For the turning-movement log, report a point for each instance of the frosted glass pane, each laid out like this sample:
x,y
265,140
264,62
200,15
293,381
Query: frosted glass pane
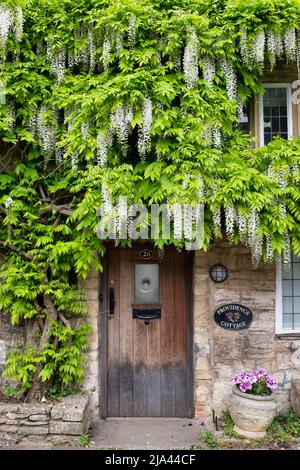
x,y
296,258
287,287
297,305
287,273
296,270
296,287
297,321
288,321
287,304
146,282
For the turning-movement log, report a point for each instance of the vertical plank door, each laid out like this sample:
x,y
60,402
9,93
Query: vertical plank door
x,y
148,361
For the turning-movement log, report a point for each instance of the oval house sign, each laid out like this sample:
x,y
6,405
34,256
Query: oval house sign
x,y
233,317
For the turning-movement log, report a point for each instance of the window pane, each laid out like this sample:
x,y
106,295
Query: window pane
x,y
288,321
287,273
296,287
146,283
297,321
287,305
275,113
296,305
291,295
287,287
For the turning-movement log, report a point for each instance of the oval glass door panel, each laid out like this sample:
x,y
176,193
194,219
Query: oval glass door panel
x,y
146,283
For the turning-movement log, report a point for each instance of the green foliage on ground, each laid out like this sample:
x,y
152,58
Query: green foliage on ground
x,y
283,431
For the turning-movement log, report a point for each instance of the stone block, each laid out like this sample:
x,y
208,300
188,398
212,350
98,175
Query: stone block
x,y
202,364
37,430
2,351
27,422
72,408
10,429
257,345
282,399
224,371
18,415
68,427
295,396
39,417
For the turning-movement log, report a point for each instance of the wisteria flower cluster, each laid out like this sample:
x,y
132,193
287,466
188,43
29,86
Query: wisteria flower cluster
x,y
10,20
255,382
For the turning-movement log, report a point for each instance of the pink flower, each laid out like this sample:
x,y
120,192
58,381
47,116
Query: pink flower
x,y
272,384
235,379
260,373
245,386
252,377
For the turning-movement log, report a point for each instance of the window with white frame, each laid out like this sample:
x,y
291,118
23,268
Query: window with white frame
x,y
275,112
288,297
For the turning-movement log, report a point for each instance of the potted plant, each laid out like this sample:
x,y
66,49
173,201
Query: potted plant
x,y
252,406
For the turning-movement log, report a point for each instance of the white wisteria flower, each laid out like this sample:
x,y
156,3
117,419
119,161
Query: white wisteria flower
x,y
132,31
190,60
176,212
274,47
6,21
216,136
269,250
85,130
230,217
19,21
144,134
8,203
188,220
286,255
259,49
230,78
58,63
92,49
104,143
74,161
290,44
246,50
121,124
242,226
119,40
106,52
209,70
216,217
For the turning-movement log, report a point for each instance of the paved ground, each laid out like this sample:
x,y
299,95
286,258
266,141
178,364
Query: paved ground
x,y
125,433
146,433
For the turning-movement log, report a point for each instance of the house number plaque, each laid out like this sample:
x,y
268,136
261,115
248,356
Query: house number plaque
x,y
146,254
233,317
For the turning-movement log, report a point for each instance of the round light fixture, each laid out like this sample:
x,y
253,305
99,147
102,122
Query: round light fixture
x,y
218,273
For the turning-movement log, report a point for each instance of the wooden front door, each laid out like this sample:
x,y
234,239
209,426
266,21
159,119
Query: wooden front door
x,y
148,359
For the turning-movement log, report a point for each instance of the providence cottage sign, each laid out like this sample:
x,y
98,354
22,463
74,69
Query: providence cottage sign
x,y
233,317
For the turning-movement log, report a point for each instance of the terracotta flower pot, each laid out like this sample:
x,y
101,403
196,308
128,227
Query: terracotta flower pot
x,y
251,414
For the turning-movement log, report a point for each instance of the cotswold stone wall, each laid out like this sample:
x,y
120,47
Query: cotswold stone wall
x,y
70,417
219,353
11,338
91,286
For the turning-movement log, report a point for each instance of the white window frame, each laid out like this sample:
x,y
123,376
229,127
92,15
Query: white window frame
x,y
288,87
279,330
